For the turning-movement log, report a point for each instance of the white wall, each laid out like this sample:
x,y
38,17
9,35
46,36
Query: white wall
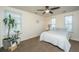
x,y
46,22
60,23
30,27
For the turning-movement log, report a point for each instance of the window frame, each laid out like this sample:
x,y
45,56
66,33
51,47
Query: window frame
x,y
13,12
67,24
52,22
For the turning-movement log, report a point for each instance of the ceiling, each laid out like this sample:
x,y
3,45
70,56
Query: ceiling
x,y
33,9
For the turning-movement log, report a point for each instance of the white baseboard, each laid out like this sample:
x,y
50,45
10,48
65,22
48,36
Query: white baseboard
x,y
76,39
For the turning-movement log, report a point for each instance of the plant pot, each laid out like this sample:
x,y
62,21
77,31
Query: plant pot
x,y
6,44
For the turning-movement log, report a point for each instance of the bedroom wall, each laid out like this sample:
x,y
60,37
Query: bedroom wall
x,y
32,24
46,22
60,23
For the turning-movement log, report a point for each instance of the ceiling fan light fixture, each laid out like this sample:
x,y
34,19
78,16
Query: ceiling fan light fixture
x,y
47,11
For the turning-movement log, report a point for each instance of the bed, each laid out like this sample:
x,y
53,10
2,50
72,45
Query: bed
x,y
57,38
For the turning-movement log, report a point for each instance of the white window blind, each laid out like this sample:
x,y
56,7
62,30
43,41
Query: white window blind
x,y
68,23
53,23
17,18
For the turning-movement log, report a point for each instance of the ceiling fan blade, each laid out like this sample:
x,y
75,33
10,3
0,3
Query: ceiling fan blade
x,y
40,10
47,7
43,12
54,8
51,12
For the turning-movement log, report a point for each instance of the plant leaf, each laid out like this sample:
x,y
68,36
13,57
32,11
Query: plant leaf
x,y
5,21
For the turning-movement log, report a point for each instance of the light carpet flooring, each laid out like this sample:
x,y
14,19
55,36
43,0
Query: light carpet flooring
x,y
34,45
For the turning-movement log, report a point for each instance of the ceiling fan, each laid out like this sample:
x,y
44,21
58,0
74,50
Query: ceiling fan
x,y
48,10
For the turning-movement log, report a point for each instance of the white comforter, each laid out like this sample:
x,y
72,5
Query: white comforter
x,y
58,38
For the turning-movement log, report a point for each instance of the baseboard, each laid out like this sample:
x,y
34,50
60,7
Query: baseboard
x,y
75,39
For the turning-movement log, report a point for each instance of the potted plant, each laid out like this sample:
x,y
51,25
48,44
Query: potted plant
x,y
10,23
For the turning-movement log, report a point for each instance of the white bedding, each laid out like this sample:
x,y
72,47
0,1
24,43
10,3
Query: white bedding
x,y
58,38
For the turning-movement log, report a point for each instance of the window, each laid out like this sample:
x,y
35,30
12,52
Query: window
x,y
17,18
68,23
53,23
